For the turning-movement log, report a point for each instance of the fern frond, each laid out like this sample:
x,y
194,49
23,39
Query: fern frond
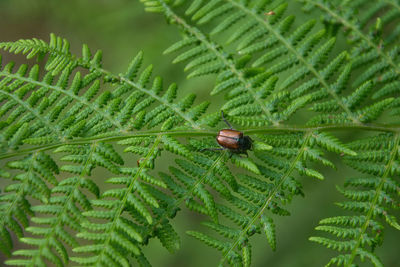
x,y
118,233
373,36
252,89
64,111
57,49
223,65
94,118
372,196
269,229
107,105
63,206
34,174
193,177
252,202
268,189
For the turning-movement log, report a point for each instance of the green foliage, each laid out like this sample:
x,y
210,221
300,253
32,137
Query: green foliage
x,y
67,117
373,196
364,23
32,173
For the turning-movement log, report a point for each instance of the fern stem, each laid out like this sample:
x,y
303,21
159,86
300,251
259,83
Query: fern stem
x,y
291,48
214,48
375,200
116,137
327,127
269,197
348,24
188,133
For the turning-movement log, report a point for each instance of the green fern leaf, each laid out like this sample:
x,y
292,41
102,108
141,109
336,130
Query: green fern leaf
x,y
363,233
269,229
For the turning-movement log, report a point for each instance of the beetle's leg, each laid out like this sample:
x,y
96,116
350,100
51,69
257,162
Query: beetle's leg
x,y
223,118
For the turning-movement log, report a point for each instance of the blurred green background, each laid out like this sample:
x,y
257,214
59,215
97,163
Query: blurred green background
x,y
121,28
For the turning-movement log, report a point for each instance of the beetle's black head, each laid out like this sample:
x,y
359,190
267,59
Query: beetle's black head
x,y
246,143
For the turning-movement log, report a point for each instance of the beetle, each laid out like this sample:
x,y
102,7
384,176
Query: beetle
x,y
232,139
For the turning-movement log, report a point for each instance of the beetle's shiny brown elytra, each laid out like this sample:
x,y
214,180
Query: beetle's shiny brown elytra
x,y
232,139
229,138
